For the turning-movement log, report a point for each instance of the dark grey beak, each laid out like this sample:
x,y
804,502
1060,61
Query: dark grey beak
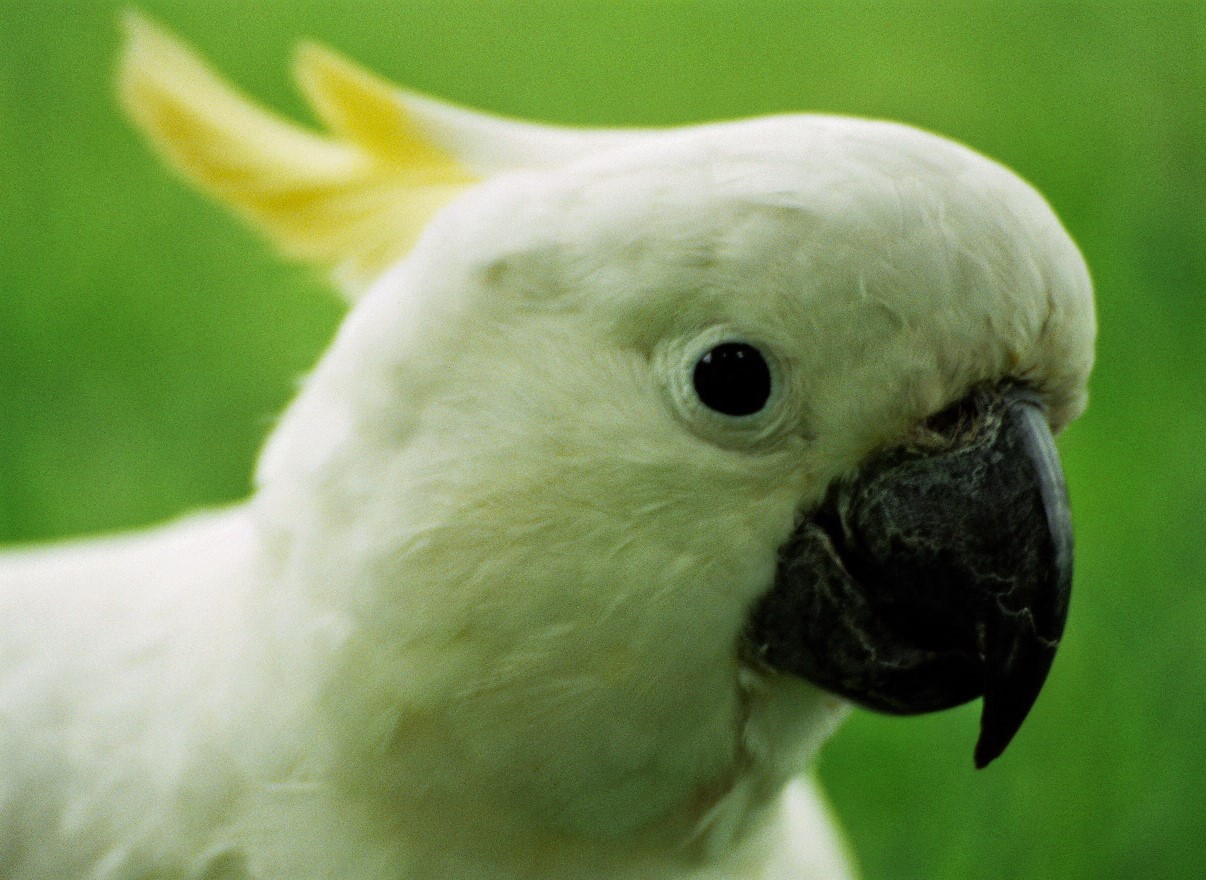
x,y
938,573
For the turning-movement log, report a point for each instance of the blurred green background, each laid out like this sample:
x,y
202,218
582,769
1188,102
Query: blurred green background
x,y
147,340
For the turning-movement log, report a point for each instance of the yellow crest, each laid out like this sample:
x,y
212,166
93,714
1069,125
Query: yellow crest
x,y
354,199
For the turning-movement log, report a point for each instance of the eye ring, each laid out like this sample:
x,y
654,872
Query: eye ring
x,y
743,426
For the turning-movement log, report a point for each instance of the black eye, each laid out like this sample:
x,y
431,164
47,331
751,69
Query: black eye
x,y
733,379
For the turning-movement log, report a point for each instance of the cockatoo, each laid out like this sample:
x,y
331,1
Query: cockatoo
x,y
641,456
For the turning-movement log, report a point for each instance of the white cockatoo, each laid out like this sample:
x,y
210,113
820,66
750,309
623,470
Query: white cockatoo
x,y
641,455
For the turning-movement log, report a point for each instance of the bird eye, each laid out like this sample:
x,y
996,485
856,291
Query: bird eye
x,y
733,378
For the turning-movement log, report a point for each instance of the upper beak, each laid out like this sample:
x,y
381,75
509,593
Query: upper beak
x,y
939,572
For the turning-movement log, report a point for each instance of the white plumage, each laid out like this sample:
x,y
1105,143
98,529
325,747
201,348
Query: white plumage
x,y
480,617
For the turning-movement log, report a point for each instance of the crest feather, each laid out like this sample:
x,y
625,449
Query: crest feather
x,y
354,201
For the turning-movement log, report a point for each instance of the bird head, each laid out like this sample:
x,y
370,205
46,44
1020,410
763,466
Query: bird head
x,y
642,452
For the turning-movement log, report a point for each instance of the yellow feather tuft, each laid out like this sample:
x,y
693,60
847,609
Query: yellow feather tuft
x,y
362,108
355,202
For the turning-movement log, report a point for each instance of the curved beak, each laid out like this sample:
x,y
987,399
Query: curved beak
x,y
940,572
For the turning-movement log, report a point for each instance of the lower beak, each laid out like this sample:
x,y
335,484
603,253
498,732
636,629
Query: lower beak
x,y
938,573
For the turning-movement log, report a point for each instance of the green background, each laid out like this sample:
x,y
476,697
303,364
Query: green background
x,y
147,340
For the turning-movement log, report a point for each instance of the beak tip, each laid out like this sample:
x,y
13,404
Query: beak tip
x,y
996,733
1005,709
988,749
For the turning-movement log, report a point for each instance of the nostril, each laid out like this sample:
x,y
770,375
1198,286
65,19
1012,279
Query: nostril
x,y
956,416
962,421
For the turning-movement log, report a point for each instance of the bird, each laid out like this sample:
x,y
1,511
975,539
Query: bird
x,y
642,457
